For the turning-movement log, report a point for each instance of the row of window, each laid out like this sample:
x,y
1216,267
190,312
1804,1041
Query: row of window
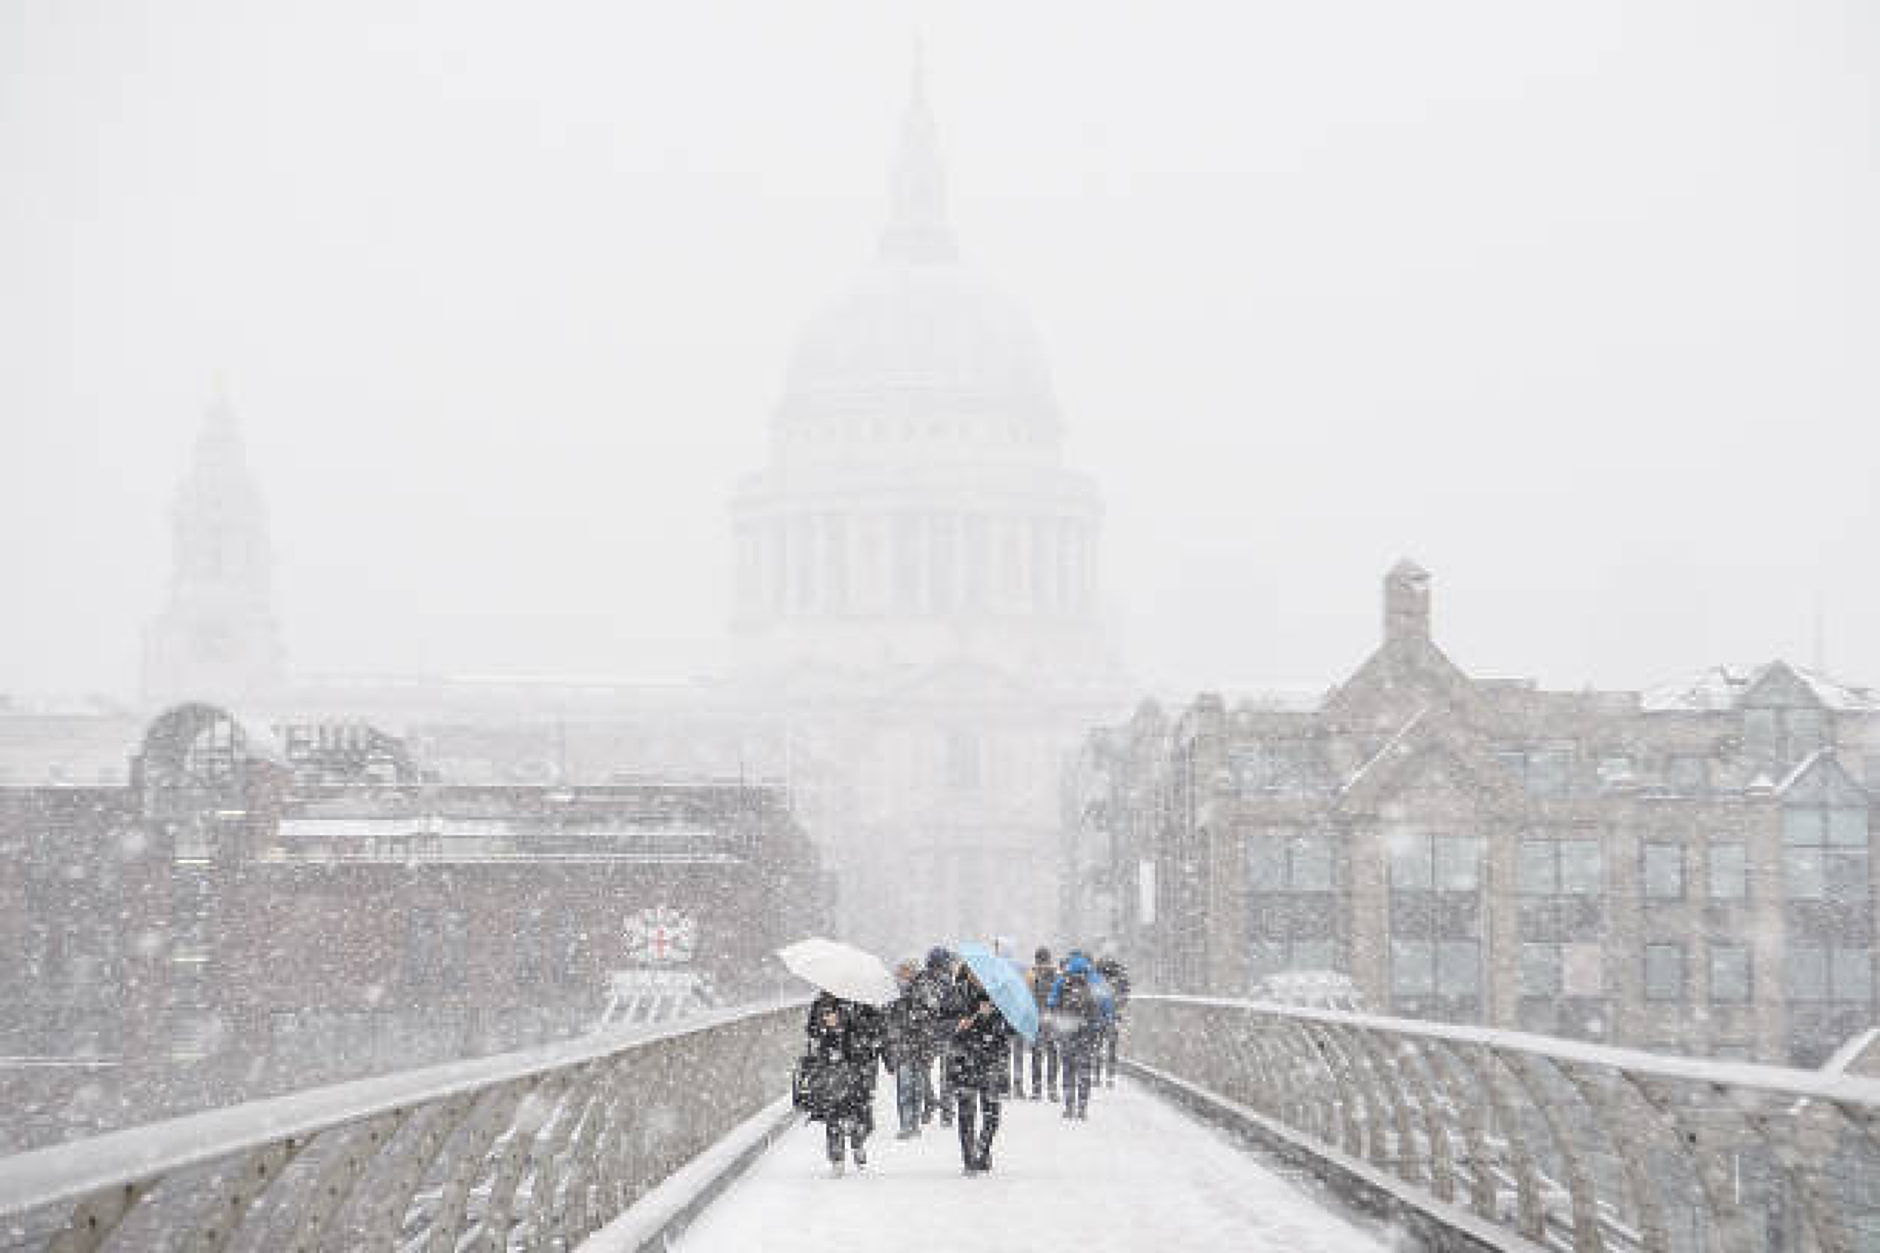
x,y
1452,968
1825,857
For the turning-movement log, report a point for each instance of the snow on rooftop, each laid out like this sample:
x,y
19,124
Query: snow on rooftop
x,y
1720,688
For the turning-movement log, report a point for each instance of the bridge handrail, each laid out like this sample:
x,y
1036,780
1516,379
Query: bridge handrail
x,y
1545,1142
1821,1085
129,1162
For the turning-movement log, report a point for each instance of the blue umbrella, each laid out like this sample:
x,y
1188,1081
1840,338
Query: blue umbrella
x,y
1006,987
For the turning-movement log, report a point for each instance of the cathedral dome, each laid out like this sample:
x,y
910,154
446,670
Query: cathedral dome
x,y
918,346
912,325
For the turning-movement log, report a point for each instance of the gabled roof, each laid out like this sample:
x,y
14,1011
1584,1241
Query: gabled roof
x,y
1432,735
1831,779
1408,675
1720,688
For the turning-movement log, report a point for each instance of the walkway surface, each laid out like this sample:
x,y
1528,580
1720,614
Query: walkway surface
x,y
1139,1174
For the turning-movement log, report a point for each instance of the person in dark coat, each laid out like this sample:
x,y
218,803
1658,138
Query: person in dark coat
x,y
844,1040
1116,976
1078,1017
976,1067
931,992
1044,1049
908,1052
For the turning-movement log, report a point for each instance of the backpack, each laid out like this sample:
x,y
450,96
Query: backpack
x,y
1041,978
1074,998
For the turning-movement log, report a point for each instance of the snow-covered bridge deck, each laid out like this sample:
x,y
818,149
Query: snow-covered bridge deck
x,y
1139,1174
1468,1137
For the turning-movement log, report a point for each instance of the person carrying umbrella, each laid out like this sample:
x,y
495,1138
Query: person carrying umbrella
x,y
976,1068
844,1045
836,1077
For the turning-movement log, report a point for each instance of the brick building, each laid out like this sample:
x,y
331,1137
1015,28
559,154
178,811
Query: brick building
x,y
261,911
1686,869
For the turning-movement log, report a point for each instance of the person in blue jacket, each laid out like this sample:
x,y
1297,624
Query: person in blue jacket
x,y
1079,1011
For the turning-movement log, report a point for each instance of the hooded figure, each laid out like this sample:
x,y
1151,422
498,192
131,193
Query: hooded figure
x,y
1115,977
1079,1010
976,1069
1040,978
844,1041
929,994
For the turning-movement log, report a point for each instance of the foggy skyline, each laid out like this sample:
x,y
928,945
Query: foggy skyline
x,y
1574,307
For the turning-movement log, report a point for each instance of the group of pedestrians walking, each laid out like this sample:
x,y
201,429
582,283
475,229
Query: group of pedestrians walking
x,y
954,1052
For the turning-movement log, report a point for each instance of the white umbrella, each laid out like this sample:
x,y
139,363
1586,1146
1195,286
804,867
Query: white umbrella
x,y
843,969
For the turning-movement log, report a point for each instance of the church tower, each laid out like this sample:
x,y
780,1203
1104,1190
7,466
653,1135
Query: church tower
x,y
216,638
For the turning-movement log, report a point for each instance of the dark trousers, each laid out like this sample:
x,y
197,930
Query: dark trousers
x,y
850,1128
977,1105
1080,1052
1106,1054
946,1089
912,1092
1044,1061
1018,1067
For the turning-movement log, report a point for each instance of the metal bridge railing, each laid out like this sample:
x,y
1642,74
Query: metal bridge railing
x,y
530,1150
1555,1143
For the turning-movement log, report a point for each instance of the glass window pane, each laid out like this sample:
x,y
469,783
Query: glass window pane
x,y
1540,970
1410,869
1411,970
1844,874
1802,869
1664,972
1311,865
1729,867
1664,871
1266,864
1247,765
1457,858
1847,827
1312,955
1582,970
1804,732
1759,732
1802,825
1534,868
1265,957
1548,771
1686,775
1729,973
1580,867
1807,970
1850,974
1458,968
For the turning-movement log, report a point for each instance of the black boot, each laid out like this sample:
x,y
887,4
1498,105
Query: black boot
x,y
969,1155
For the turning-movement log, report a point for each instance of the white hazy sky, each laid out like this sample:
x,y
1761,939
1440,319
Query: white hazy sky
x,y
1577,303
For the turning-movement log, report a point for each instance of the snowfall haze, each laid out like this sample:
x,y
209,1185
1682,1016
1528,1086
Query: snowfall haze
x,y
1577,304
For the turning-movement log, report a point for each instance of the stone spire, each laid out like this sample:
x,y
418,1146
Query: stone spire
x,y
216,638
918,229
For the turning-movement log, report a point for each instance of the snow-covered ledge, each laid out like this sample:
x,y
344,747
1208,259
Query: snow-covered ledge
x,y
542,1147
1557,1143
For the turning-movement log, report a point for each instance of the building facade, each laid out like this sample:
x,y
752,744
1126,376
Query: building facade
x,y
1687,869
260,910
